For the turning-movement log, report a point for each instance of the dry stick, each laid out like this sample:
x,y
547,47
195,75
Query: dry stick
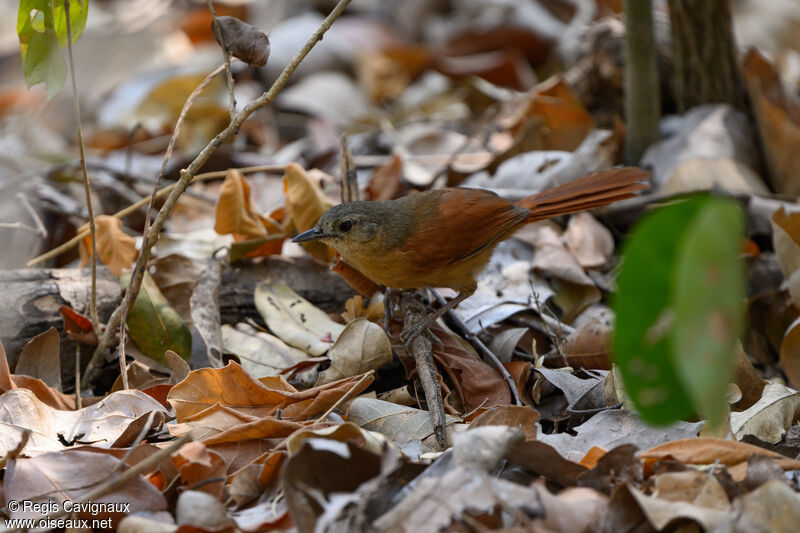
x,y
139,266
349,178
345,397
33,214
87,190
485,349
422,352
78,397
217,30
55,252
112,484
194,166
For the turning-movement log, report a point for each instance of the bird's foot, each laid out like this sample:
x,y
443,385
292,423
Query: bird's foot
x,y
409,334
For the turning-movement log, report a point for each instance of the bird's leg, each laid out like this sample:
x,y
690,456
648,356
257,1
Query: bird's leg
x,y
413,332
389,298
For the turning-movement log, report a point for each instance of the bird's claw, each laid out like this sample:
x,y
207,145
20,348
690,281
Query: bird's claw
x,y
408,335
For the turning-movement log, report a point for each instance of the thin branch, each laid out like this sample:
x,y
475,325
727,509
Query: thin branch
x,y
126,301
86,187
151,235
55,252
34,215
217,30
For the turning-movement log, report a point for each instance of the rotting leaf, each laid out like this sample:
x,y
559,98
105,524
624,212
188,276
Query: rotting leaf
x,y
115,248
295,320
155,326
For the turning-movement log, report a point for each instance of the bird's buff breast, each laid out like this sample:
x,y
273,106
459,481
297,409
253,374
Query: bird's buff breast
x,y
399,270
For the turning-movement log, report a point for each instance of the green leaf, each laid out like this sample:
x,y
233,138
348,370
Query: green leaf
x,y
679,309
154,325
42,29
708,296
78,11
41,58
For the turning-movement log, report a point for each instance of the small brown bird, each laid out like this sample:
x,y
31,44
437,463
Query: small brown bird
x,y
445,237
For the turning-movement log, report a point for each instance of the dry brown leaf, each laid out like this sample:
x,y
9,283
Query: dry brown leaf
x,y
232,387
306,203
39,388
235,214
777,113
197,464
115,248
517,416
478,384
356,308
786,239
589,346
386,180
77,327
706,451
41,358
566,120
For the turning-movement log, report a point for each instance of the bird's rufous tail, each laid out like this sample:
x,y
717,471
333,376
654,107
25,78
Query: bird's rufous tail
x,y
595,190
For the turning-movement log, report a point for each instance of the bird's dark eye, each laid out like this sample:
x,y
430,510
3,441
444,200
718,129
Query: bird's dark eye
x,y
346,226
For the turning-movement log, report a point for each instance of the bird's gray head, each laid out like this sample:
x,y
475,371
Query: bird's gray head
x,y
351,222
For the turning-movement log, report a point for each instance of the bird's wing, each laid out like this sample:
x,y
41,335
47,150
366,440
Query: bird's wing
x,y
461,224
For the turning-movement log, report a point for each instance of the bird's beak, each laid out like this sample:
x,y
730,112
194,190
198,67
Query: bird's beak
x,y
310,235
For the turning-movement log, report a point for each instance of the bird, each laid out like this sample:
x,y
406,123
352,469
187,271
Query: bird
x,y
445,237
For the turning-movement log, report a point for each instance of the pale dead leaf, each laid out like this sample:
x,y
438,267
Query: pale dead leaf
x,y
361,346
260,353
295,320
590,242
770,417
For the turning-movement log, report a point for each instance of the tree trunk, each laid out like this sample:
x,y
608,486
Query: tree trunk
x,y
706,64
642,97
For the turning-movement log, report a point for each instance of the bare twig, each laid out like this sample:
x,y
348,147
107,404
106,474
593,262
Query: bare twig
x,y
55,252
86,187
34,215
139,266
217,29
20,225
78,397
347,395
349,181
151,236
421,350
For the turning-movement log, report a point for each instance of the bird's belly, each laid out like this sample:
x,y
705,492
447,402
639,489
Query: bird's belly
x,y
401,271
